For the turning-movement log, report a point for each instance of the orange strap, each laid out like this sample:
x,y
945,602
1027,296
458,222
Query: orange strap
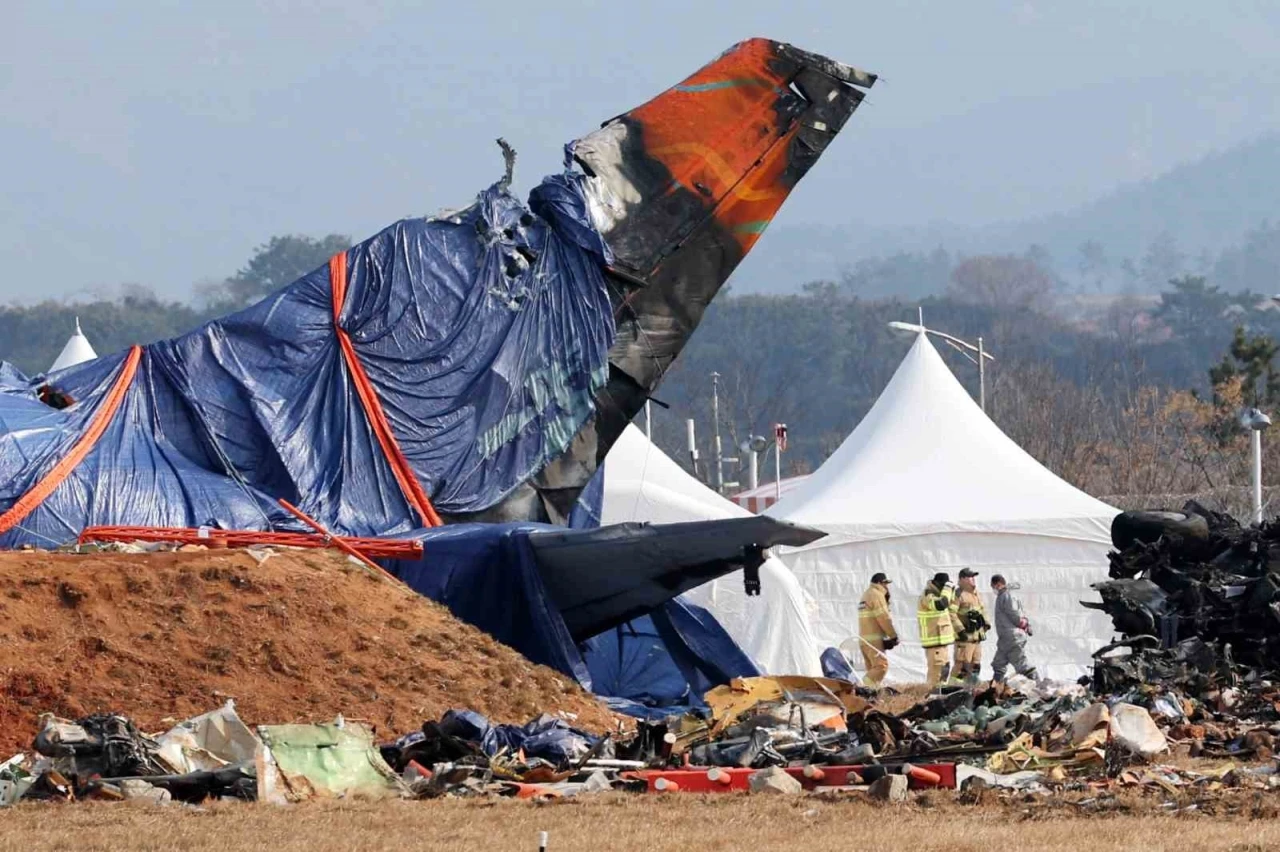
x,y
28,502
407,479
340,543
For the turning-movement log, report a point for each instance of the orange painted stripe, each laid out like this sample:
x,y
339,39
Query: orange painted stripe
x,y
405,477
39,492
726,173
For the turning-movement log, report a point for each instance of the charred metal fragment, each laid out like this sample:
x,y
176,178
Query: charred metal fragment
x,y
1195,596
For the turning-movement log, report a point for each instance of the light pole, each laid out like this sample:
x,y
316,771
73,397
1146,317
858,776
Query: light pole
x,y
1255,421
715,426
753,447
980,355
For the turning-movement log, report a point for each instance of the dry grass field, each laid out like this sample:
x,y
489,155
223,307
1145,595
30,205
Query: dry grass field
x,y
619,823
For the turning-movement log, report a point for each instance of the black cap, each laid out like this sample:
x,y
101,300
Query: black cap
x,y
941,579
879,577
996,579
967,572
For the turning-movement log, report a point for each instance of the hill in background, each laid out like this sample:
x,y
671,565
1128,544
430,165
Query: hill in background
x,y
1194,213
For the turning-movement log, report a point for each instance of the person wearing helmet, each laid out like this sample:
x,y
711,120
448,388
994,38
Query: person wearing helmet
x,y
938,625
876,633
970,636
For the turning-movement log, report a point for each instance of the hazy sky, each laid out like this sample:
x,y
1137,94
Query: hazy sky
x,y
158,143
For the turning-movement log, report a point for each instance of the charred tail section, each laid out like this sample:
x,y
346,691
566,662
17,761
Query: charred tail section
x,y
686,184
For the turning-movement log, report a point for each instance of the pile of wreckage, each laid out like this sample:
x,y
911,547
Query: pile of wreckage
x,y
764,735
1196,599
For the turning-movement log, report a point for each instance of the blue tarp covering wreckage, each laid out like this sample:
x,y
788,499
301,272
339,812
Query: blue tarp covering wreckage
x,y
490,575
484,361
472,367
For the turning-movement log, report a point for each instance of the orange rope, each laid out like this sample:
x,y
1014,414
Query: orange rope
x,y
338,542
380,548
28,502
407,479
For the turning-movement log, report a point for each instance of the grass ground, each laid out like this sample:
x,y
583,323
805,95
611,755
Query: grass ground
x,y
619,823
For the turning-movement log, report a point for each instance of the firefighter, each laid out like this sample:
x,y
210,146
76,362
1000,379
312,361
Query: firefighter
x,y
1012,630
938,627
972,617
875,630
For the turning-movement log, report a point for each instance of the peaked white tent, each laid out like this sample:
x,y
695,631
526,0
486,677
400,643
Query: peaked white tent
x,y
641,483
757,500
77,351
927,483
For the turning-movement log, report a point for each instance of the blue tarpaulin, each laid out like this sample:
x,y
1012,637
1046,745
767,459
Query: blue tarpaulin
x,y
489,576
664,661
835,665
484,334
546,738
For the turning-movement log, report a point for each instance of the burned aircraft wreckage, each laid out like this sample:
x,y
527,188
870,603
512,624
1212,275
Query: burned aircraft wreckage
x,y
473,367
1195,597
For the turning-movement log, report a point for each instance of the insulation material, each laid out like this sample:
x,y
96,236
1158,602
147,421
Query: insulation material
x,y
339,760
1133,728
207,742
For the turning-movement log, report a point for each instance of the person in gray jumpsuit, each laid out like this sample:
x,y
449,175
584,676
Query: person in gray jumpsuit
x,y
1012,630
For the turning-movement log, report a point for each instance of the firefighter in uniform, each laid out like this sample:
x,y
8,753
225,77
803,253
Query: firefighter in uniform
x,y
875,630
938,627
972,618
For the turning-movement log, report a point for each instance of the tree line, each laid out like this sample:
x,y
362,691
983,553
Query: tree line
x,y
1120,395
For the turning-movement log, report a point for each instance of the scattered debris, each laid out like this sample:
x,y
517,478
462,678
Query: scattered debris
x,y
773,780
339,760
890,788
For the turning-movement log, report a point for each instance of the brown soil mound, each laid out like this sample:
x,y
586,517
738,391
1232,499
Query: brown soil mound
x,y
301,637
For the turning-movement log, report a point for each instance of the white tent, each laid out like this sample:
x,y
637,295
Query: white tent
x,y
641,483
927,483
77,351
757,500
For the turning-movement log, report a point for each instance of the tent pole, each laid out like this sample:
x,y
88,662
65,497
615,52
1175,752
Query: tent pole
x,y
982,377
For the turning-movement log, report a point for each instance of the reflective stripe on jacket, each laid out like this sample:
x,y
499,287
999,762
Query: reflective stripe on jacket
x,y
966,602
874,623
934,615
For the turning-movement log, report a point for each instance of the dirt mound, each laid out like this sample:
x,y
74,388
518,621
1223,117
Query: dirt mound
x,y
302,636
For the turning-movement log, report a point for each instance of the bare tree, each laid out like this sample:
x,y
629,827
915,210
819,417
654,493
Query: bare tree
x,y
1055,420
1003,280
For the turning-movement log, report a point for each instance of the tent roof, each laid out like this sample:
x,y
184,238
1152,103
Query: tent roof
x,y
642,483
926,459
77,351
762,496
